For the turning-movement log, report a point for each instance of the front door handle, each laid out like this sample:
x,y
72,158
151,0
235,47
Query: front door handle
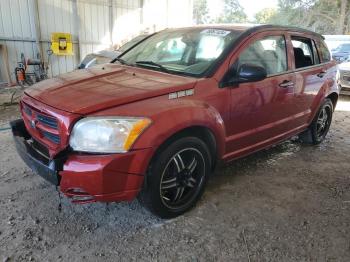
x,y
321,74
286,84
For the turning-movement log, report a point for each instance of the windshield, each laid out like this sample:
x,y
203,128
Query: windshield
x,y
182,51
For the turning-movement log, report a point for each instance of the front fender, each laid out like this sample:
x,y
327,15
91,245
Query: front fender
x,y
170,117
185,114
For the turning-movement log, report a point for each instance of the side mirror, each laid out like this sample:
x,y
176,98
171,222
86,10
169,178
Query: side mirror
x,y
251,73
246,73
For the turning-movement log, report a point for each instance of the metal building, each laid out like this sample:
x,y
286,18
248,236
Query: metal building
x,y
26,26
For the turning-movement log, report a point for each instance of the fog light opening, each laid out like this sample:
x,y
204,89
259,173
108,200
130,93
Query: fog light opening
x,y
79,196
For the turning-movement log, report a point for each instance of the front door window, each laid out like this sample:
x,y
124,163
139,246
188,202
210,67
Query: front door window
x,y
269,52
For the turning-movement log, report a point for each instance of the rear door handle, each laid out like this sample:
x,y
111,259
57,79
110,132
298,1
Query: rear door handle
x,y
286,84
321,74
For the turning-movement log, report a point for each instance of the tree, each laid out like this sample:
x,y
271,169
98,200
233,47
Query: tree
x,y
265,15
200,12
335,12
233,12
323,16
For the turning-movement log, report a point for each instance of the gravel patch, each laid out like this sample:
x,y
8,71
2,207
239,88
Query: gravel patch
x,y
288,203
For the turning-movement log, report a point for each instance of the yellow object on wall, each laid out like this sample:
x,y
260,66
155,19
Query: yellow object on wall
x,y
61,44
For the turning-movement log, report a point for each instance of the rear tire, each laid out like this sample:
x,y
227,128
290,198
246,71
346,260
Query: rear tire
x,y
176,177
320,125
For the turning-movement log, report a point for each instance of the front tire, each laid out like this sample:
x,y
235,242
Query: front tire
x,y
320,125
177,177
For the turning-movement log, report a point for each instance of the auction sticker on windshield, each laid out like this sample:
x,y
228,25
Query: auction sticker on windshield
x,y
215,32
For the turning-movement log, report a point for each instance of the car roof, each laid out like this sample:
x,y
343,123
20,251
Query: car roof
x,y
234,27
252,28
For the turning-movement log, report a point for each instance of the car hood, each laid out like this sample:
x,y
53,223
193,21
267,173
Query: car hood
x,y
340,54
344,66
105,86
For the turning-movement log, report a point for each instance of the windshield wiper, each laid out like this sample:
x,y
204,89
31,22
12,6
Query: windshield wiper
x,y
153,64
120,60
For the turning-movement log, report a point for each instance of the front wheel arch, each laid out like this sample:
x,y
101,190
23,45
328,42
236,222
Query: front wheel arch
x,y
201,132
151,193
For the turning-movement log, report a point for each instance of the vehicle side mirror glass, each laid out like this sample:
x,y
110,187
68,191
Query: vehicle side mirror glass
x,y
251,73
246,73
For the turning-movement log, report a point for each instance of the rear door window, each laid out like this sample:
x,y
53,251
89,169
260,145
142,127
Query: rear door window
x,y
269,52
304,52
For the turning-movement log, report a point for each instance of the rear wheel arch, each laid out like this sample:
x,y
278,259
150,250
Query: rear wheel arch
x,y
312,135
334,98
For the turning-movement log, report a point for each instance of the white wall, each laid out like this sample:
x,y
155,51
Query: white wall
x,y
167,13
99,24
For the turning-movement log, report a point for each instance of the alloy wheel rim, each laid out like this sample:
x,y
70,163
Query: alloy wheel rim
x,y
182,178
323,122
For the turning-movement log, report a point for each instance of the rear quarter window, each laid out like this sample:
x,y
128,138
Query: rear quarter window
x,y
323,50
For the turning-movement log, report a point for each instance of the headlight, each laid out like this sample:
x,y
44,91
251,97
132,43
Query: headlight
x,y
107,134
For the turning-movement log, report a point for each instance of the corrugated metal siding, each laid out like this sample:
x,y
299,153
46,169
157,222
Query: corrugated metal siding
x,y
96,19
16,23
56,16
94,26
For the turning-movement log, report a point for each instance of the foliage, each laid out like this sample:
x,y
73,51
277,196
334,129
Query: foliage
x,y
233,12
200,12
323,16
265,15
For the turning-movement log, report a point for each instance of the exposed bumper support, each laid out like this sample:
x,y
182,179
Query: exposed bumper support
x,y
41,165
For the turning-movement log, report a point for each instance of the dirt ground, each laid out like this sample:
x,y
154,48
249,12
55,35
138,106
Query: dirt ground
x,y
287,203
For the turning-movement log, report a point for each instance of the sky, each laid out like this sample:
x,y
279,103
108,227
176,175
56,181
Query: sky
x,y
251,7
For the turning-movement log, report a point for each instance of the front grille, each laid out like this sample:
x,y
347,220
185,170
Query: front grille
x,y
27,110
52,137
346,78
47,121
42,126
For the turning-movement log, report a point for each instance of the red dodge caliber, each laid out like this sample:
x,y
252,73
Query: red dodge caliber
x,y
154,122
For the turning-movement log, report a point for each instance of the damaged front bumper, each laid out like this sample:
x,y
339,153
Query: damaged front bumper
x,y
36,160
85,177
